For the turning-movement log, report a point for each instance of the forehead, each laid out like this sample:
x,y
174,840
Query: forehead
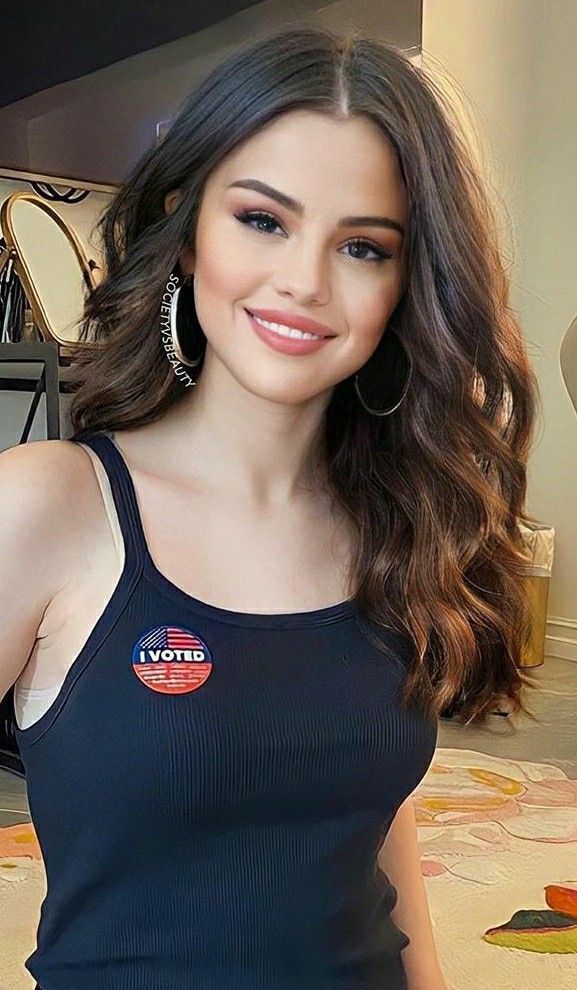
x,y
342,163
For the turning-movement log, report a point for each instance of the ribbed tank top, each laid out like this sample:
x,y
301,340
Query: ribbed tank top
x,y
210,789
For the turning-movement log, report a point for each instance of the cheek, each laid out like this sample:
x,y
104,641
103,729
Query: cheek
x,y
370,317
223,270
222,287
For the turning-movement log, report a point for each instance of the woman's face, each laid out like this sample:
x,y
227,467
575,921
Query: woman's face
x,y
305,263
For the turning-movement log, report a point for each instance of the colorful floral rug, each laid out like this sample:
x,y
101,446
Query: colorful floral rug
x,y
498,842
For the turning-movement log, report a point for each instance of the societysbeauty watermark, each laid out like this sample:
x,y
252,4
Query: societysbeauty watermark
x,y
166,332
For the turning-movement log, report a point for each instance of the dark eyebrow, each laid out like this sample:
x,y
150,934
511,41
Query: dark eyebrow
x,y
293,204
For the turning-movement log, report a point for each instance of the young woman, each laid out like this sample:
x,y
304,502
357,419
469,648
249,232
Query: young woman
x,y
282,540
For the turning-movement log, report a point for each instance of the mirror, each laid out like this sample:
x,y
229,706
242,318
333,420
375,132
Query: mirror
x,y
568,361
51,263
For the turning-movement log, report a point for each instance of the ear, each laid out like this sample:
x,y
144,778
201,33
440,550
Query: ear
x,y
186,260
171,200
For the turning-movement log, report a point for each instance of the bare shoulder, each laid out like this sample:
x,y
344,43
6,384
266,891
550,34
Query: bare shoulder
x,y
41,478
51,503
46,487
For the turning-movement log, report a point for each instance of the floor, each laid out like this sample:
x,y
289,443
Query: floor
x,y
553,740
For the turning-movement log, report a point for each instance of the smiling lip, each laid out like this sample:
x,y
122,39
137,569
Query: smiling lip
x,y
293,320
286,345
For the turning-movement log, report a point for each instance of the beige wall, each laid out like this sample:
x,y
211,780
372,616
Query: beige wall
x,y
511,66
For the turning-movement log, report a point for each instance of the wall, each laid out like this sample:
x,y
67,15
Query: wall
x,y
514,64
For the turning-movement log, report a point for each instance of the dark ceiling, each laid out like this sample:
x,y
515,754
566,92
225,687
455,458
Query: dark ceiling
x,y
46,43
86,87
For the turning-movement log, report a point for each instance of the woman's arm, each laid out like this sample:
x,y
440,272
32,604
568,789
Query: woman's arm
x,y
399,858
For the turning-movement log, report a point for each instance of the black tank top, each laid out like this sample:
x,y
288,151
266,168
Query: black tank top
x,y
210,789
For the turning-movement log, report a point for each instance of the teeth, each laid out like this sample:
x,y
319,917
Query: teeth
x,y
286,331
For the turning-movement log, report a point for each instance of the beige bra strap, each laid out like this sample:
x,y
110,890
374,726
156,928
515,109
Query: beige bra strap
x,y
108,499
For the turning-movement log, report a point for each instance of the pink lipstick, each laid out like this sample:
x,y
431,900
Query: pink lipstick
x,y
286,345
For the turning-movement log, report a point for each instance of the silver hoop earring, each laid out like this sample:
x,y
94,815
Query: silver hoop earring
x,y
396,363
174,320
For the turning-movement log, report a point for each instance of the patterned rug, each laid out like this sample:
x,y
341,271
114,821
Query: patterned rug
x,y
498,841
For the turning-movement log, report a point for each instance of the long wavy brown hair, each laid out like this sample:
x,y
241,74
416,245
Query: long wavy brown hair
x,y
437,489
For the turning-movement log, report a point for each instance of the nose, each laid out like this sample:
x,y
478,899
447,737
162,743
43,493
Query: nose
x,y
303,274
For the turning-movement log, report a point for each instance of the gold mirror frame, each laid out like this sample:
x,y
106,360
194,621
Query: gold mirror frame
x,y
66,346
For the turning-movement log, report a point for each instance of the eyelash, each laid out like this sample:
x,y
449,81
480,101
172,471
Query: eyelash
x,y
383,255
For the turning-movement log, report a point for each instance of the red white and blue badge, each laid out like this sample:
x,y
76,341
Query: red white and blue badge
x,y
171,660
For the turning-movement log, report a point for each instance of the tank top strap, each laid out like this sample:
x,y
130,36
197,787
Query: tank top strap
x,y
122,488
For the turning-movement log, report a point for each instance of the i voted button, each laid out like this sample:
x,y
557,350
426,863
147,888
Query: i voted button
x,y
171,660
